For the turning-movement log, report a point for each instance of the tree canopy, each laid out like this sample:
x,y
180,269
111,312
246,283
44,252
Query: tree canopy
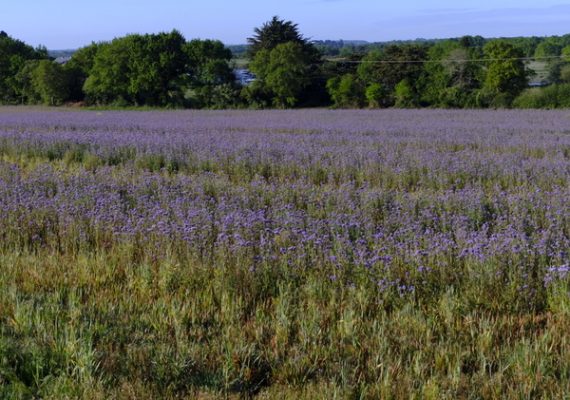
x,y
13,56
506,75
273,33
137,69
285,64
289,70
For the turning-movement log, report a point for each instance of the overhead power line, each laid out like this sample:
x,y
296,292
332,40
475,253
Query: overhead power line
x,y
339,60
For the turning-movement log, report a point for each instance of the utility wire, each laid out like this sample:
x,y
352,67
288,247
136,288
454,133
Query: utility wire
x,y
340,60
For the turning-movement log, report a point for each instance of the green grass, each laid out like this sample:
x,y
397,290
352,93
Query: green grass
x,y
120,325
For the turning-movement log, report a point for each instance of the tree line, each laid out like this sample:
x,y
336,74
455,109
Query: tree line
x,y
166,70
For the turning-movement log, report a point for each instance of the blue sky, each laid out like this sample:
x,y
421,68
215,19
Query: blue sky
x,y
65,24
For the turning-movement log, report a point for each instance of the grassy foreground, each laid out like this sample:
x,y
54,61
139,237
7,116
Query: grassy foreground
x,y
107,326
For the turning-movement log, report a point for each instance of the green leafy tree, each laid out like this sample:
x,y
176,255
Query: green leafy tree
x,y
79,68
404,94
13,57
108,80
391,66
24,83
472,42
308,86
375,95
451,78
560,71
138,69
43,81
283,72
370,69
565,74
527,45
549,47
565,53
210,75
346,91
51,83
506,75
223,96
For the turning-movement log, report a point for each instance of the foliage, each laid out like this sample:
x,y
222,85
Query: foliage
x,y
554,96
404,95
451,78
24,83
283,72
549,47
79,68
276,32
391,66
506,75
375,95
138,69
210,76
164,70
287,67
345,92
565,73
565,53
43,81
13,56
51,82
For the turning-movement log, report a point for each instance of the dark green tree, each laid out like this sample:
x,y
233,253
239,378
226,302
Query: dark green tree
x,y
276,32
43,82
287,67
506,76
451,77
24,83
210,76
109,77
283,72
51,83
79,68
346,91
375,95
13,56
549,47
393,65
138,69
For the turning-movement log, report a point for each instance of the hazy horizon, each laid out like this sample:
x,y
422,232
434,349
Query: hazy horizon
x,y
64,25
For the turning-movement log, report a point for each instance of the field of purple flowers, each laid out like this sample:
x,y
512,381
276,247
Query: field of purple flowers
x,y
284,254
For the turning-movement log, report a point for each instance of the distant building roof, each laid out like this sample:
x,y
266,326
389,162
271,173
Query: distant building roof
x,y
62,60
244,76
538,84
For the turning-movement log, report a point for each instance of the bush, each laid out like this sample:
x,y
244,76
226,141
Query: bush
x,y
563,95
376,96
345,91
555,96
404,94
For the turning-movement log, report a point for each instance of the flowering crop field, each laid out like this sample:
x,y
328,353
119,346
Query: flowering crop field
x,y
284,254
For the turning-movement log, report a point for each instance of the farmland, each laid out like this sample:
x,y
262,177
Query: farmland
x,y
284,254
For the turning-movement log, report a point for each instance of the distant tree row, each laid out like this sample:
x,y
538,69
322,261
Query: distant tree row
x,y
153,70
165,70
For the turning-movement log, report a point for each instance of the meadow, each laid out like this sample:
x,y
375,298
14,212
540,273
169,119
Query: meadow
x,y
308,254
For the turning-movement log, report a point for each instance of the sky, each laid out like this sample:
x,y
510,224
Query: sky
x,y
69,24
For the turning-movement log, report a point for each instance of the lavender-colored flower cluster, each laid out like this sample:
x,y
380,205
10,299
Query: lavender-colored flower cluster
x,y
394,196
